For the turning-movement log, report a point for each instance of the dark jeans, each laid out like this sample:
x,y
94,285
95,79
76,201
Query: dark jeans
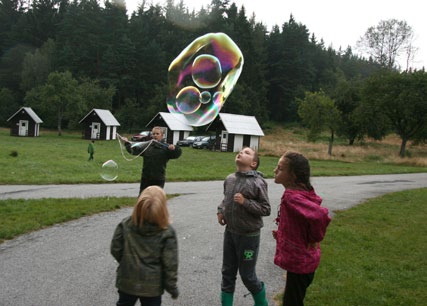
x,y
146,182
240,253
130,300
296,287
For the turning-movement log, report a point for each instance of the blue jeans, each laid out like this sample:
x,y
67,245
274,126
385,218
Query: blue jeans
x,y
240,254
130,300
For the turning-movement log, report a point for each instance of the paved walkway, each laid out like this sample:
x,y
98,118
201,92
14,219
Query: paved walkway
x,y
70,264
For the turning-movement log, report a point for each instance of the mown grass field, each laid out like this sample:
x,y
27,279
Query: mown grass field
x,y
52,159
374,254
21,216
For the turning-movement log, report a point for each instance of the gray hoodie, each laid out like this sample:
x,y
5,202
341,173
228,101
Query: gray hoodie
x,y
246,218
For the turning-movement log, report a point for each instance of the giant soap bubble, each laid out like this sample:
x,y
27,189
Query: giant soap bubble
x,y
202,77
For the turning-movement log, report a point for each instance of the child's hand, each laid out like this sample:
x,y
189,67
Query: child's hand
x,y
239,198
274,232
221,219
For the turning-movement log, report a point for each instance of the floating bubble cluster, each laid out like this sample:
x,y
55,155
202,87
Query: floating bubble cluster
x,y
109,170
202,77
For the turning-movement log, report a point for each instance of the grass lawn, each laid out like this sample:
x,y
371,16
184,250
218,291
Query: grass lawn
x,y
52,159
374,254
18,217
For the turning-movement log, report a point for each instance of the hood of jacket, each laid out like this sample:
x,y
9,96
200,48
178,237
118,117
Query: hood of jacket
x,y
302,197
254,173
147,229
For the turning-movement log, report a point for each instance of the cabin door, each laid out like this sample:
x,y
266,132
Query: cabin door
x,y
246,140
224,141
96,130
23,128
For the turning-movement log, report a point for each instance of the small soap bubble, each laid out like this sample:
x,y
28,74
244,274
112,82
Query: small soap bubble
x,y
205,97
202,77
188,100
109,170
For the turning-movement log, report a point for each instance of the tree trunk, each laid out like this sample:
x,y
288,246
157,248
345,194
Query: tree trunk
x,y
402,152
59,126
331,141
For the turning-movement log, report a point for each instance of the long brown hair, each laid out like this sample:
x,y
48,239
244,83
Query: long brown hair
x,y
151,207
299,165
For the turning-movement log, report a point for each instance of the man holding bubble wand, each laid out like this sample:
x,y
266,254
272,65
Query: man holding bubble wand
x,y
156,153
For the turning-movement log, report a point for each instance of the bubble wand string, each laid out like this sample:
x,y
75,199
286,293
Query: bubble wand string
x,y
119,138
150,142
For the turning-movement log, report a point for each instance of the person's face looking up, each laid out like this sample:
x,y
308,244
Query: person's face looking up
x,y
245,159
281,173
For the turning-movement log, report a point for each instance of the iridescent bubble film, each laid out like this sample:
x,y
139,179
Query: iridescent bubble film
x,y
205,97
206,71
188,100
109,170
203,76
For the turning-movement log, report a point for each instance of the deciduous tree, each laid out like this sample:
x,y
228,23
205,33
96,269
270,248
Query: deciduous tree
x,y
387,41
402,99
59,96
318,112
37,65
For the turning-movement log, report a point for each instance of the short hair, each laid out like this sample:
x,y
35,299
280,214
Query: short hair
x,y
151,207
159,129
299,165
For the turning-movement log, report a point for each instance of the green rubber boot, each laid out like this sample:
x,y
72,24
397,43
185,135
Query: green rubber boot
x,y
260,298
227,298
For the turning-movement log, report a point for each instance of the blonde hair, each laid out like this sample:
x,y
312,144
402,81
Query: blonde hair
x,y
151,207
158,128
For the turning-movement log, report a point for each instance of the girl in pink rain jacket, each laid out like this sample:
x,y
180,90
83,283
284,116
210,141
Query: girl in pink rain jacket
x,y
302,224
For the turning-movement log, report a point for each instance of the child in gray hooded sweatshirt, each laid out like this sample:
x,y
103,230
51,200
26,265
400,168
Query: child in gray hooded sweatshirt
x,y
245,203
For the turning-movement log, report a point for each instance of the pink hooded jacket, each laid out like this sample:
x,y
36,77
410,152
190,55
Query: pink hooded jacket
x,y
302,225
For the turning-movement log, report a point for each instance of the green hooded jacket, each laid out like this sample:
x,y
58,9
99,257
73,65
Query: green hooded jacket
x,y
147,257
90,148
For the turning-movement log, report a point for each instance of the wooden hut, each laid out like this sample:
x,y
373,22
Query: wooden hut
x,y
25,122
99,124
235,132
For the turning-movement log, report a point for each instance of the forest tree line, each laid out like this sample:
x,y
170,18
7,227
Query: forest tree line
x,y
64,58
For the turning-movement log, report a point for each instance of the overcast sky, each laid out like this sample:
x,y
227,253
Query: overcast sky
x,y
339,23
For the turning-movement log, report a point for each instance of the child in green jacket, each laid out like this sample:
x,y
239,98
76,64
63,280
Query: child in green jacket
x,y
91,150
146,248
